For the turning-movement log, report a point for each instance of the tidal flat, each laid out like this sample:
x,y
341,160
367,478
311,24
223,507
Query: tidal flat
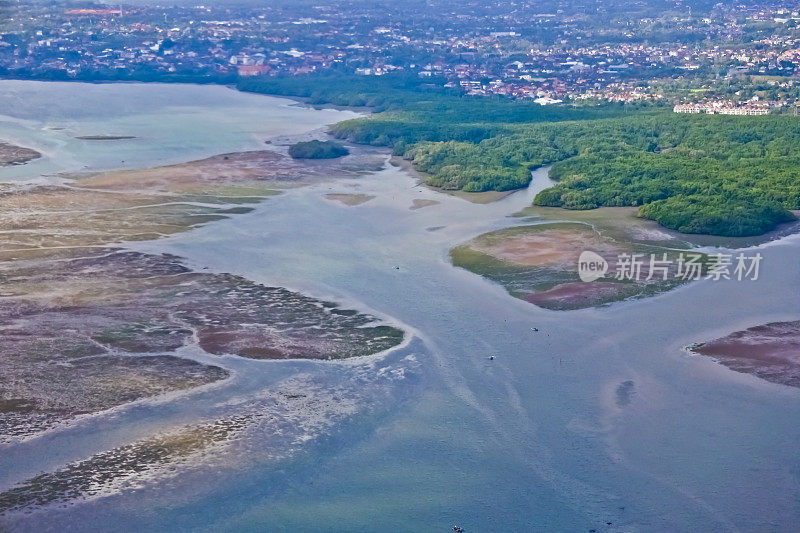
x,y
600,414
136,205
349,199
93,476
246,429
87,325
769,351
76,338
538,263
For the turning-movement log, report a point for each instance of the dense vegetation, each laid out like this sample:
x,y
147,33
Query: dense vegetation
x,y
317,150
721,175
696,174
361,91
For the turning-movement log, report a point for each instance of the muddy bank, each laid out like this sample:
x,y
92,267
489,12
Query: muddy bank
x,y
539,263
770,352
16,155
226,174
624,223
75,340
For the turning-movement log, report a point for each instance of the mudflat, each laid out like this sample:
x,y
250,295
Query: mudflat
x,y
86,325
768,351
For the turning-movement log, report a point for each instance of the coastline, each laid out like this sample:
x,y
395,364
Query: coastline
x,y
646,227
767,351
568,348
11,154
558,373
480,198
485,197
86,222
155,331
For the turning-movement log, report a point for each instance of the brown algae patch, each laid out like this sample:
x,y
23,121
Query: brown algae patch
x,y
539,264
349,199
86,327
769,351
577,294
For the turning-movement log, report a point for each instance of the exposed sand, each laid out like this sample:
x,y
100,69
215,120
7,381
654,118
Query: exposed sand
x,y
770,351
255,166
349,199
112,207
104,137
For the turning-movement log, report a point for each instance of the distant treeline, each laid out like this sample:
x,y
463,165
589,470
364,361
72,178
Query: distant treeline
x,y
718,175
377,93
120,75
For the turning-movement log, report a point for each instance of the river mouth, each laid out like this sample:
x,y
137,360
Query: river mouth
x,y
579,418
